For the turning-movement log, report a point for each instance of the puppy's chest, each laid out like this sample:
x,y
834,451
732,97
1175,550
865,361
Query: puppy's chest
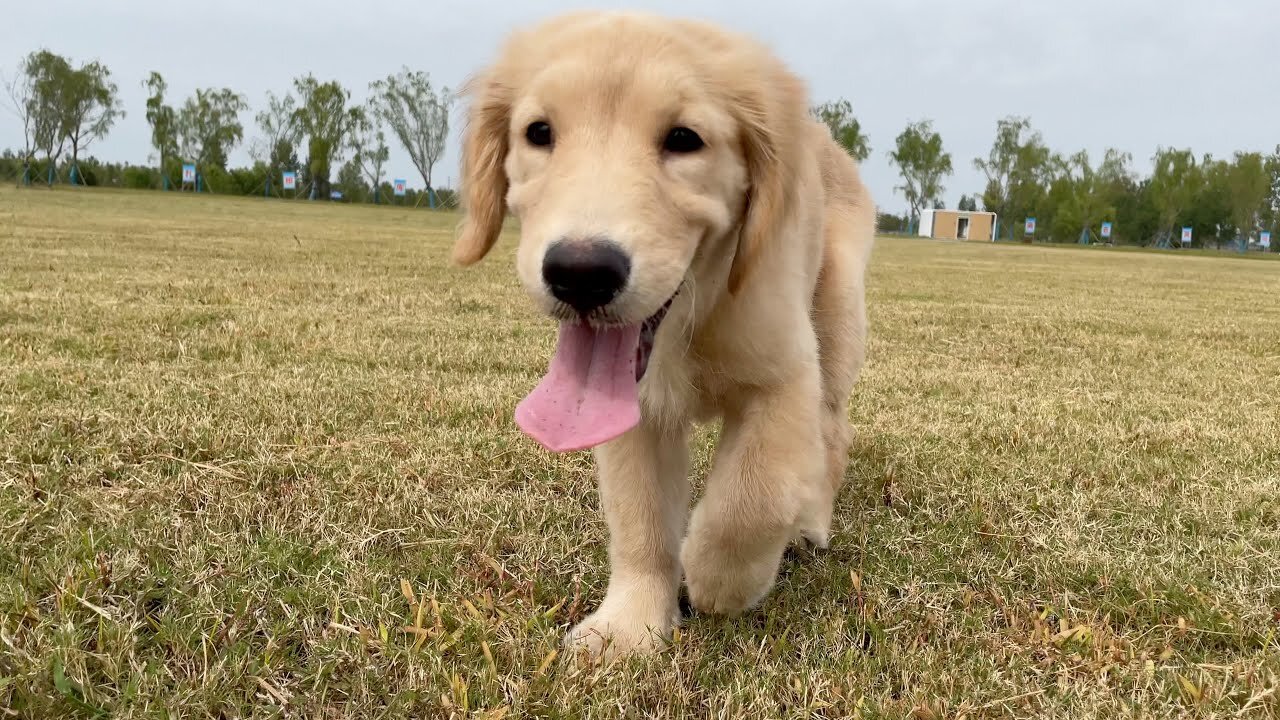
x,y
694,382
678,388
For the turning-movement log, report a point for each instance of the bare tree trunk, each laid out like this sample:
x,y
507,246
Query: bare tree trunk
x,y
426,180
75,160
51,169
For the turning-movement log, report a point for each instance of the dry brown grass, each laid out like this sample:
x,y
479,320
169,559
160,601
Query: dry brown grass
x,y
257,460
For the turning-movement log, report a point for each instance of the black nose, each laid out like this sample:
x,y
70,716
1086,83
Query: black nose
x,y
585,275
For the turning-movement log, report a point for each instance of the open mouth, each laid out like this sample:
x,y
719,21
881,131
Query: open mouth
x,y
648,331
590,394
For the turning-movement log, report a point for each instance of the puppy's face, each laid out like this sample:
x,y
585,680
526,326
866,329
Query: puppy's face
x,y
617,170
623,144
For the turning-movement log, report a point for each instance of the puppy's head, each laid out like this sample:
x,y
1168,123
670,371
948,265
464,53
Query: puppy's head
x,y
624,143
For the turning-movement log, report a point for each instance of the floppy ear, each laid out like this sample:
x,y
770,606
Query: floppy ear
x,y
484,182
771,111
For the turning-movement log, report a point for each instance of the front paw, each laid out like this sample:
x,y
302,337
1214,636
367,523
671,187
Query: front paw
x,y
816,533
726,579
619,629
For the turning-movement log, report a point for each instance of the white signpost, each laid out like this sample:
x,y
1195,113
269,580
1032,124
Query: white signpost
x,y
1031,226
1264,239
188,174
1186,236
1106,230
290,180
399,186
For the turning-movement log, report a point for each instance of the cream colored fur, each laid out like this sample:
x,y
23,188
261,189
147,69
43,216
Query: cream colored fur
x,y
766,231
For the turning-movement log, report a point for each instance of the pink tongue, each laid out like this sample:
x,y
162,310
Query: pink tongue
x,y
589,395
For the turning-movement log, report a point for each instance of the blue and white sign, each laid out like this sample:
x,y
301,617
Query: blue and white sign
x,y
290,180
399,186
1264,239
1106,229
1031,226
188,174
1186,236
335,194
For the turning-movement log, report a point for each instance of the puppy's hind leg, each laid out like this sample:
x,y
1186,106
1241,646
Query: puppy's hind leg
x,y
840,322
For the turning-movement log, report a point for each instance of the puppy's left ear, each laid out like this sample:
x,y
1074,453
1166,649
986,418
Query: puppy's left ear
x,y
771,109
484,181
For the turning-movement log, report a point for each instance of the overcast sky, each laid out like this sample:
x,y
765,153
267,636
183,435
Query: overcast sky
x,y
1091,74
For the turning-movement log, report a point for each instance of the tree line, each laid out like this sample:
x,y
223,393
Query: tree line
x,y
63,109
1225,201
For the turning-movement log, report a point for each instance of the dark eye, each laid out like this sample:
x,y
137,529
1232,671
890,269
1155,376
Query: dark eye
x,y
682,140
538,133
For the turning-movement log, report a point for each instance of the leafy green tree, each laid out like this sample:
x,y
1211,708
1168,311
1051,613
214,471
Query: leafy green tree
x,y
326,121
889,223
844,127
1084,194
351,181
923,163
284,157
209,127
1175,181
1019,169
369,144
164,122
1115,171
91,105
1271,212
61,105
1249,186
1137,220
241,180
417,115
49,75
1209,211
24,99
281,132
967,204
1052,224
1115,183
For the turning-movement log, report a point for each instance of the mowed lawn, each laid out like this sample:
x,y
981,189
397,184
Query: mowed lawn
x,y
257,460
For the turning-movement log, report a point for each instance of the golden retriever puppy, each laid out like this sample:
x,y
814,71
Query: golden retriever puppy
x,y
702,242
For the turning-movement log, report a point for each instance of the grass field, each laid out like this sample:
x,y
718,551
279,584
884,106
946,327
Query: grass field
x,y
257,460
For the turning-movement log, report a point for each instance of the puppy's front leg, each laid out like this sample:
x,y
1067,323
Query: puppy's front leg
x,y
644,492
767,478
